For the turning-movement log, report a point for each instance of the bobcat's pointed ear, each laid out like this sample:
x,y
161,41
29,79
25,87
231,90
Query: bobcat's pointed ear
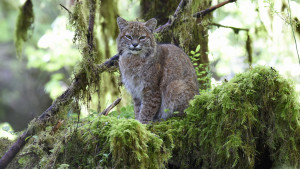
x,y
151,24
122,23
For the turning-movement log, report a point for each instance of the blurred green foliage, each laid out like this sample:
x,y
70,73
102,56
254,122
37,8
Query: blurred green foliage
x,y
270,31
50,49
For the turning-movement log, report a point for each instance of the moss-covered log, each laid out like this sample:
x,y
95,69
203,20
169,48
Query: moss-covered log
x,y
251,121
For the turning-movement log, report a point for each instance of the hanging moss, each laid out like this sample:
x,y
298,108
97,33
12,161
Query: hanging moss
x,y
251,121
24,25
80,20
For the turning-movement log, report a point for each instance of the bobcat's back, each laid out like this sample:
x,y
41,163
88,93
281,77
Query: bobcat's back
x,y
160,78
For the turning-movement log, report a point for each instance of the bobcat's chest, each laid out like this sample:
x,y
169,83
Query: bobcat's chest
x,y
131,71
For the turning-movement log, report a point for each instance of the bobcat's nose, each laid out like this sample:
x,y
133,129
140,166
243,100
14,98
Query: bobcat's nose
x,y
135,44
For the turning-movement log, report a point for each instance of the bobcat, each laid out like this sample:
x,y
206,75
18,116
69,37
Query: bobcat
x,y
160,77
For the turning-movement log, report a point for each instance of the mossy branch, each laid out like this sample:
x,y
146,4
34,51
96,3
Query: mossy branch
x,y
79,84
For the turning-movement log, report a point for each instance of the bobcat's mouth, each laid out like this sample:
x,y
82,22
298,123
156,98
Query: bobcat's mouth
x,y
135,49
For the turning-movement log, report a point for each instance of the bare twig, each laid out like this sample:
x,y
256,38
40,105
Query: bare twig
x,y
66,9
230,27
108,109
290,20
202,13
172,19
56,127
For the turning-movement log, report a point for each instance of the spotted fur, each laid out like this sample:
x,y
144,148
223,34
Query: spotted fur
x,y
160,78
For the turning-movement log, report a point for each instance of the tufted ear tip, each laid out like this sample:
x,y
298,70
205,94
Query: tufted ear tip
x,y
151,24
122,23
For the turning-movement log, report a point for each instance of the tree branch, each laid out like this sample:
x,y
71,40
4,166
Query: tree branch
x,y
202,13
91,26
66,9
108,109
172,19
230,27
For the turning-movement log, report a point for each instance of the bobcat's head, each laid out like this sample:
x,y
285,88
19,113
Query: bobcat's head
x,y
136,37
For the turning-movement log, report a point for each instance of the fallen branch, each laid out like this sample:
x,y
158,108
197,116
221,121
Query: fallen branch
x,y
202,13
108,109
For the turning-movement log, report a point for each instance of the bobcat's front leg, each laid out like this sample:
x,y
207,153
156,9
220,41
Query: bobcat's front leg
x,y
150,105
137,107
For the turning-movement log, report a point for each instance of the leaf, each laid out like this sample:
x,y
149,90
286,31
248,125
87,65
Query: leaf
x,y
5,128
27,138
192,52
198,48
35,137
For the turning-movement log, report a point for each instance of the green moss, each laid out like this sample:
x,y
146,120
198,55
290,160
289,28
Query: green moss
x,y
120,143
24,25
251,121
236,123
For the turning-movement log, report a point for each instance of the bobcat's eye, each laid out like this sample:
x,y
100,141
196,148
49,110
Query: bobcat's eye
x,y
128,37
142,38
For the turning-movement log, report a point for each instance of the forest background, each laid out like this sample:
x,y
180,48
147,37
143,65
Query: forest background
x,y
257,33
